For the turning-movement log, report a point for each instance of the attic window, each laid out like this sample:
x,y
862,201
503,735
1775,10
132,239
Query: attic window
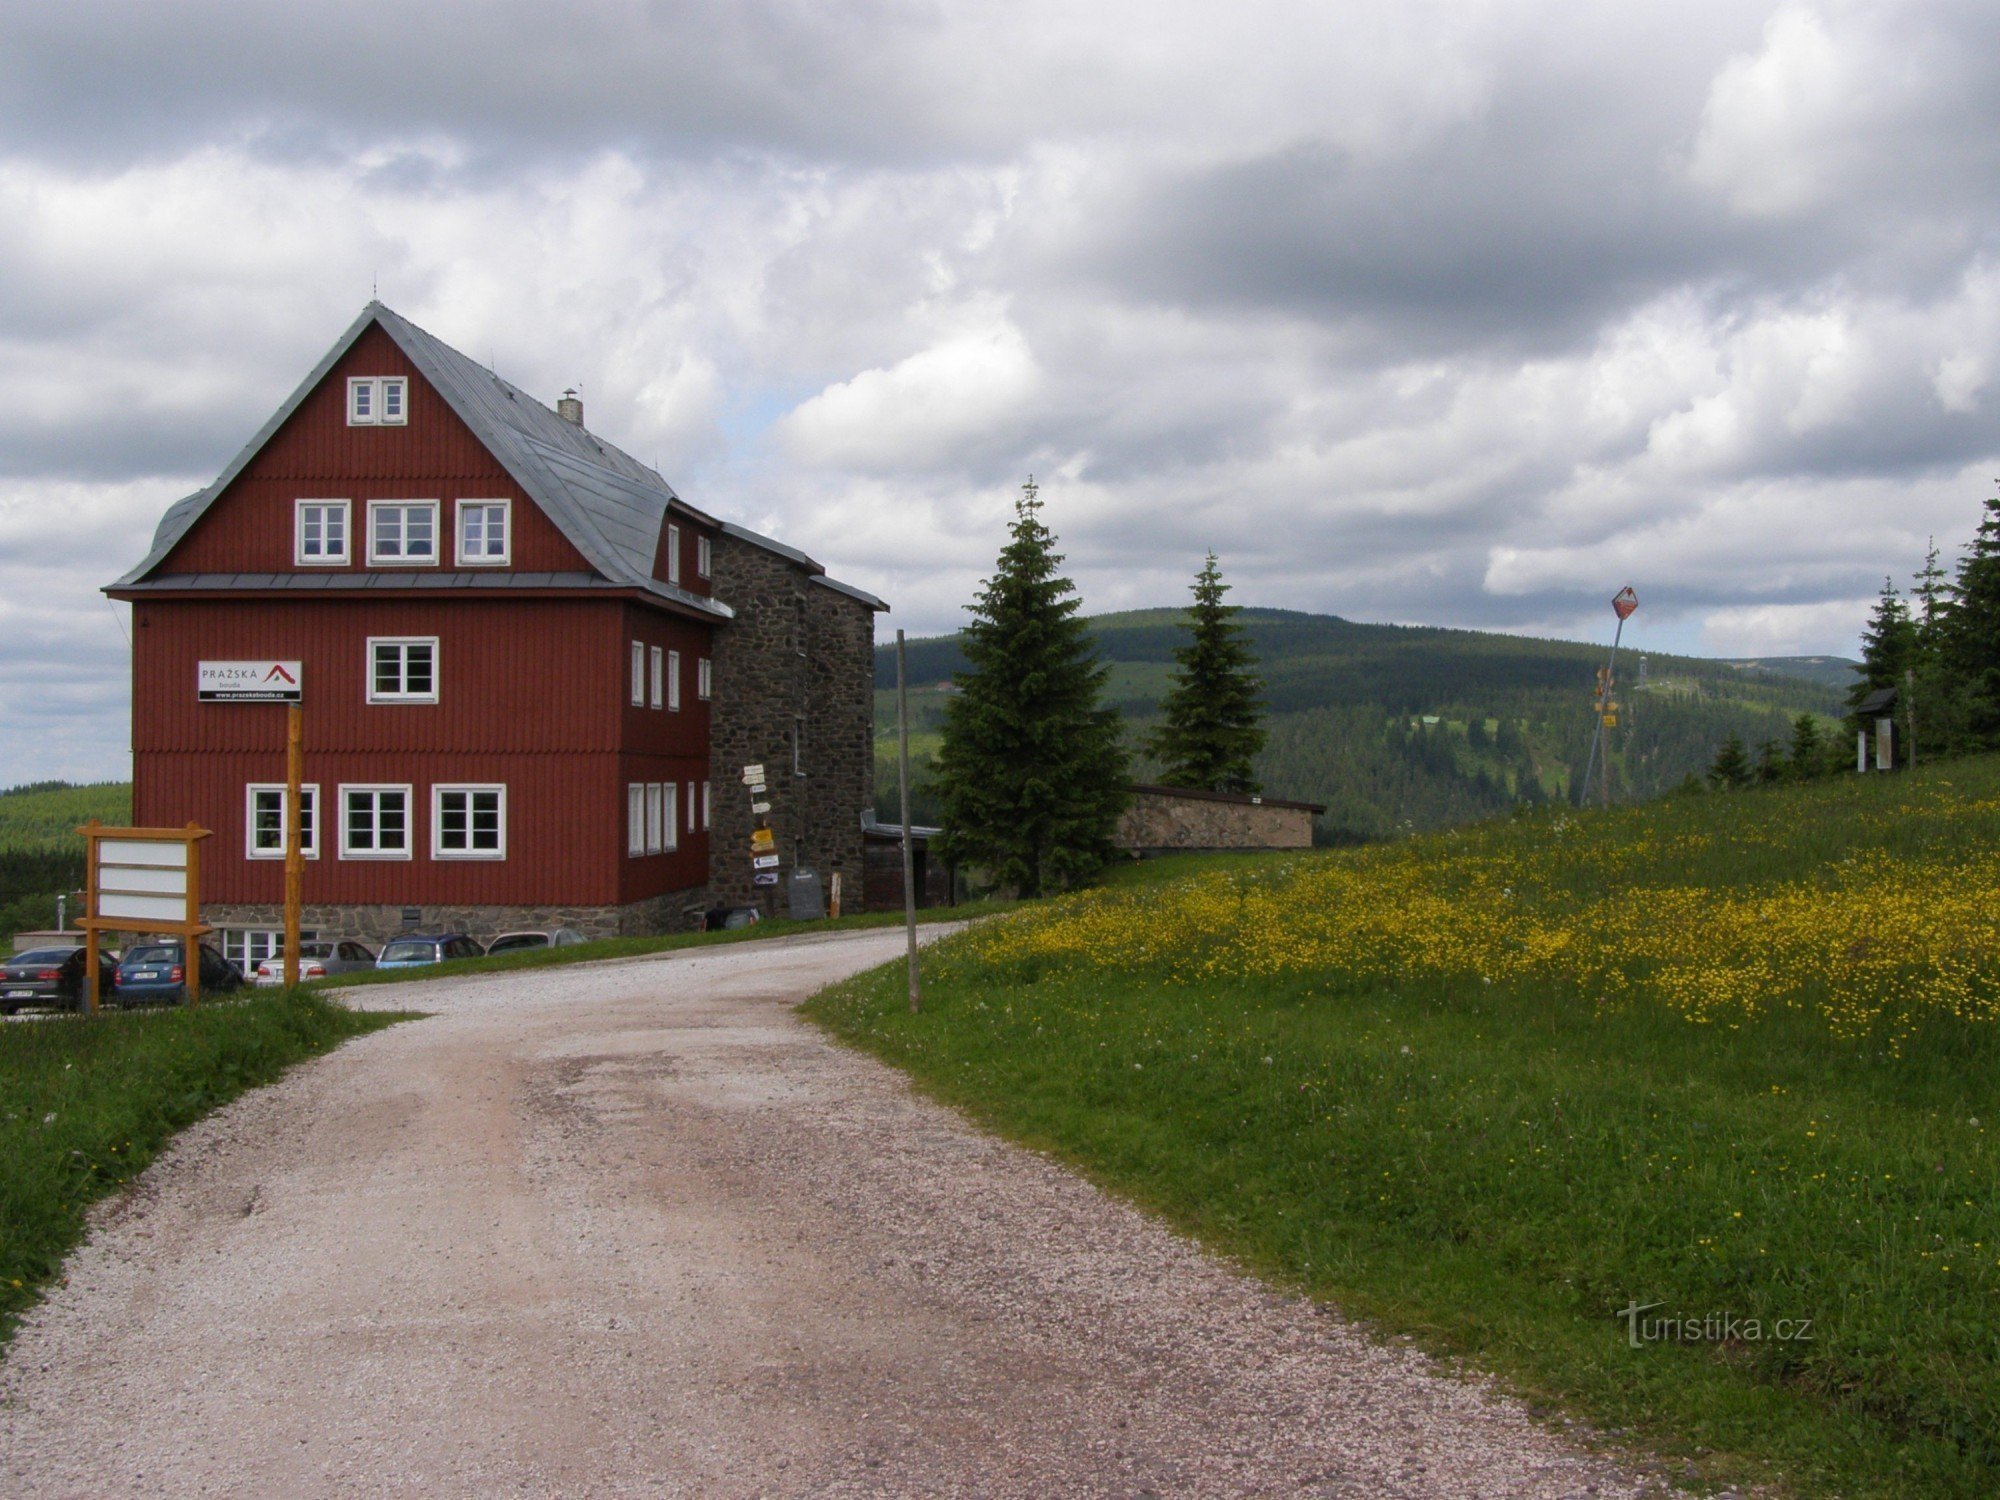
x,y
378,401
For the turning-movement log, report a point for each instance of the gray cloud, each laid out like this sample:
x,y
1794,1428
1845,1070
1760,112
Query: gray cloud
x,y
1432,313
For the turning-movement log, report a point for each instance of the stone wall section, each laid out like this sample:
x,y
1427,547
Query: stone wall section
x,y
793,692
1158,824
676,911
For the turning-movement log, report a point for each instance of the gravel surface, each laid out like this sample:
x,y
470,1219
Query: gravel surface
x,y
632,1228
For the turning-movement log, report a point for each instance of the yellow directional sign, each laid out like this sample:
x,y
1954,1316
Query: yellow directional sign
x,y
763,840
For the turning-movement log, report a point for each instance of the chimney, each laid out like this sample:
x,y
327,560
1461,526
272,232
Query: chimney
x,y
570,407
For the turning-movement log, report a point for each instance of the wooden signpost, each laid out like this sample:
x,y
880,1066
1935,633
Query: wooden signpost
x,y
142,880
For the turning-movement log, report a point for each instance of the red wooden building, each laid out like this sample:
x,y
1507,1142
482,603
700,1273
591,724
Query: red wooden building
x,y
522,653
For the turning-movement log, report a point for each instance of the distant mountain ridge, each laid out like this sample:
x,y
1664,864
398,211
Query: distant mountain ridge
x,y
1400,727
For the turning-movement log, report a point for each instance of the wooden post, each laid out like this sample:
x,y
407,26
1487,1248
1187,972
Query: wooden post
x,y
190,940
294,855
90,939
1910,712
903,778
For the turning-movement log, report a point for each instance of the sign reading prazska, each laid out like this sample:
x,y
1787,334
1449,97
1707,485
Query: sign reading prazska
x,y
249,682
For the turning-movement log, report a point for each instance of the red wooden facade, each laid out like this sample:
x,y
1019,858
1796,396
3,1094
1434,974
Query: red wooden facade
x,y
533,667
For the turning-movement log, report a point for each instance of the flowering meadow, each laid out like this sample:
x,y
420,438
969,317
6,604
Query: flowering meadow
x,y
1884,919
1733,1057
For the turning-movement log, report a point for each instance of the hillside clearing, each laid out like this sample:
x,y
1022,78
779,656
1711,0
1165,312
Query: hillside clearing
x,y
1730,1057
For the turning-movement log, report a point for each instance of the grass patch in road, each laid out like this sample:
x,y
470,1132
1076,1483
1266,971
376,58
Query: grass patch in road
x,y
87,1103
639,947
1499,1162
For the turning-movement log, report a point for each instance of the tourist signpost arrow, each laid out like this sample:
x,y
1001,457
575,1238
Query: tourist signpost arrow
x,y
763,838
1623,603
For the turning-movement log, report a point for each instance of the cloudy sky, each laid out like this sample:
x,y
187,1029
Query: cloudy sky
x,y
1440,312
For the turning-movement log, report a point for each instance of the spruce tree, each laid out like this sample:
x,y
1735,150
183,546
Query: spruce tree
x,y
1888,649
1731,767
1212,723
1939,706
1971,636
1031,774
1808,756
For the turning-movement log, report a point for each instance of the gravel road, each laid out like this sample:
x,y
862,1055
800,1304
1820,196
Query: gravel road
x,y
631,1228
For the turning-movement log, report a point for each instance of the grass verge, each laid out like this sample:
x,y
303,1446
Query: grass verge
x,y
86,1104
638,947
1500,1165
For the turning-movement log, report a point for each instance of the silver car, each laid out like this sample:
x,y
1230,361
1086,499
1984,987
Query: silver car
x,y
317,959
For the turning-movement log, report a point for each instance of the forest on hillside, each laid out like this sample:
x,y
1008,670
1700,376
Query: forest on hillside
x,y
1400,729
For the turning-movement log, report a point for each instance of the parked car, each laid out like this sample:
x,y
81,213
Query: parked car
x,y
158,971
729,918
53,976
415,949
317,959
553,937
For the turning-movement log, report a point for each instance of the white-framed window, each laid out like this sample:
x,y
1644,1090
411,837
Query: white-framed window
x,y
655,819
673,554
319,533
247,947
704,556
691,825
704,806
485,533
403,532
673,682
264,820
659,675
670,816
469,822
378,401
635,817
638,674
704,677
375,822
402,669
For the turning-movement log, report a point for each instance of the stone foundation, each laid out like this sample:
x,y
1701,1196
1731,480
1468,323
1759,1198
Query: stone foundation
x,y
375,925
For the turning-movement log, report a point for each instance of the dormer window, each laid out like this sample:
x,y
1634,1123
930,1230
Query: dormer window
x,y
378,401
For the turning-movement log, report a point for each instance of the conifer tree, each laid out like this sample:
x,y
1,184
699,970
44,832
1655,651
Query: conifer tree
x,y
1212,723
1933,595
1888,648
1731,768
1970,640
1808,755
1031,773
1940,707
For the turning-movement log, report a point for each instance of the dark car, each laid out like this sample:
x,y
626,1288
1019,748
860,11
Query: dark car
x,y
415,949
157,971
53,976
551,937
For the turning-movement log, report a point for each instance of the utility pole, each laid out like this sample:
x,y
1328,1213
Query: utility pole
x,y
1910,712
295,864
909,863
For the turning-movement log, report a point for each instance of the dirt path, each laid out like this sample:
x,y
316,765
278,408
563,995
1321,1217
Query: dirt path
x,y
632,1229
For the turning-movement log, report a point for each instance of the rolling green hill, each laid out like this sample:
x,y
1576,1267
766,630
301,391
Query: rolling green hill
x,y
40,854
1405,728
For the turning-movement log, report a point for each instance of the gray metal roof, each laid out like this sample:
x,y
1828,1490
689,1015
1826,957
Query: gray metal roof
x,y
321,583
607,503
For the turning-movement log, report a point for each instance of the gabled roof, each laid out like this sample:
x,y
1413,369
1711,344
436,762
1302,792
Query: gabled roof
x,y
607,503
